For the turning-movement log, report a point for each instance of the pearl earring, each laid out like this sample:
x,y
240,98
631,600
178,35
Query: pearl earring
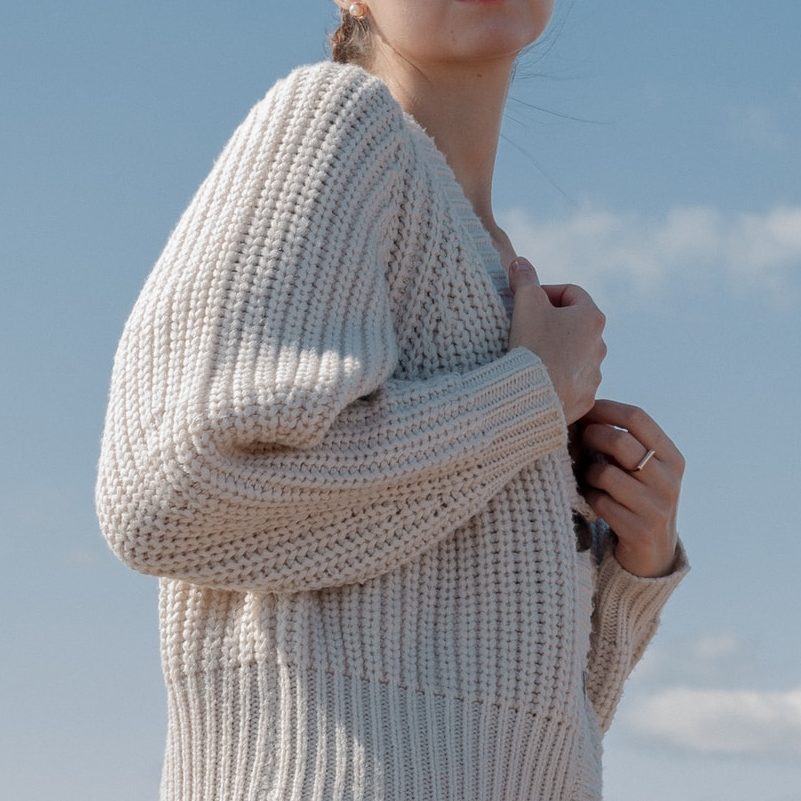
x,y
357,10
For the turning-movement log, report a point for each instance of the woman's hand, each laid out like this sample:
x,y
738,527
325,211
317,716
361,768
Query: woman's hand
x,y
640,506
564,327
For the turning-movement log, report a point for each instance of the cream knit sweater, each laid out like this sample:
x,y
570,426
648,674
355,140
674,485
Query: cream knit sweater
x,y
357,501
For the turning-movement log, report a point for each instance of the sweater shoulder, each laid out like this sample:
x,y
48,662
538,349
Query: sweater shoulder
x,y
335,98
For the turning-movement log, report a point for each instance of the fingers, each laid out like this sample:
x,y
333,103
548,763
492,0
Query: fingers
x,y
568,295
521,270
559,294
650,556
524,282
644,520
638,508
568,340
641,426
620,486
615,514
573,296
627,452
556,293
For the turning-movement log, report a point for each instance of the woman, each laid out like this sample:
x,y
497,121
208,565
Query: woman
x,y
347,460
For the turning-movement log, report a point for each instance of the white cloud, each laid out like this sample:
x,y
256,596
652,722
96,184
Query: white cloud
x,y
602,249
712,647
717,659
721,721
698,695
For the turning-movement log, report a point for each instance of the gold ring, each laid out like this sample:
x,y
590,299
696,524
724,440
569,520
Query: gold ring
x,y
643,461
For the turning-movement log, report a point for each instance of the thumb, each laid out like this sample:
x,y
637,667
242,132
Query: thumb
x,y
521,271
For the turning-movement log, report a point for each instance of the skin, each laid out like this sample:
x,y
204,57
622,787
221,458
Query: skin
x,y
449,64
640,507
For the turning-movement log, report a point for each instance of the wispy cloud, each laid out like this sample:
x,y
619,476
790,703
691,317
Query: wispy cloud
x,y
755,125
84,557
721,721
688,246
719,660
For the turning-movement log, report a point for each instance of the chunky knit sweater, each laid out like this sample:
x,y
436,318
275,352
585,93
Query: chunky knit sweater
x,y
358,502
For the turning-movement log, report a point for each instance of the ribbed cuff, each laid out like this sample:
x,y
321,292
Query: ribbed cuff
x,y
640,598
540,397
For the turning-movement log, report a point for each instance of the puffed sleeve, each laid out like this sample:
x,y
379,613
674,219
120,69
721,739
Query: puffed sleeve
x,y
255,437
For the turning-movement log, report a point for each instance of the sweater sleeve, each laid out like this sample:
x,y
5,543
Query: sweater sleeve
x,y
255,438
625,618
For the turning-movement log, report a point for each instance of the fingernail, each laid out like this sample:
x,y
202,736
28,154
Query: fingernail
x,y
521,263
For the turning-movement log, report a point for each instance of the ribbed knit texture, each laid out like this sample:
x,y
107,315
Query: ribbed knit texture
x,y
359,504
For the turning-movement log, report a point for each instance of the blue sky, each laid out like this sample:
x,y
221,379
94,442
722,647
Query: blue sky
x,y
675,200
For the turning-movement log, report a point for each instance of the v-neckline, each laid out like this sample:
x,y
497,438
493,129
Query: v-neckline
x,y
488,254
480,236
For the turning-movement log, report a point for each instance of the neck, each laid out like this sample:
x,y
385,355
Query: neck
x,y
461,108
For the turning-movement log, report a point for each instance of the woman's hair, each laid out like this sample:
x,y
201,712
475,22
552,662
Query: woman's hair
x,y
350,42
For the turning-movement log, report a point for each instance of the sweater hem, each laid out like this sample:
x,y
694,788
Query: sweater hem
x,y
295,733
